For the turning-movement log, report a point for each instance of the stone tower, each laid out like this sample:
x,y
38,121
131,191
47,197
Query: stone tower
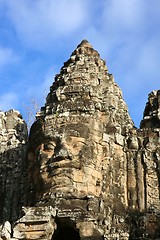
x,y
91,175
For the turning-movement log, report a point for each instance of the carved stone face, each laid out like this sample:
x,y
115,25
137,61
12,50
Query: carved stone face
x,y
66,148
69,160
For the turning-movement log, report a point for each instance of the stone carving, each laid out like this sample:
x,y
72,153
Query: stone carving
x,y
13,137
91,173
151,117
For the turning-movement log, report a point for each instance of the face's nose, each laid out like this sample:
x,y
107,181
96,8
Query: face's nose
x,y
62,152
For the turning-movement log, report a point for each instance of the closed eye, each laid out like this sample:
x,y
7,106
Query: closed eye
x,y
49,146
78,144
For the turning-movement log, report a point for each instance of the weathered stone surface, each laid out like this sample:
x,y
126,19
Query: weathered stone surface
x,y
151,117
5,231
91,173
37,223
13,137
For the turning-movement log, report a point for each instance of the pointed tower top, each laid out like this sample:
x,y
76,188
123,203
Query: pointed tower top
x,y
85,48
84,86
84,43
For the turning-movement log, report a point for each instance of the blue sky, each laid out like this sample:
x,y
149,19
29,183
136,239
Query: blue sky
x,y
37,36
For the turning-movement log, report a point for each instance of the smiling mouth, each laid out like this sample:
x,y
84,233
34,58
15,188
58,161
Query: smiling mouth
x,y
59,158
54,160
56,163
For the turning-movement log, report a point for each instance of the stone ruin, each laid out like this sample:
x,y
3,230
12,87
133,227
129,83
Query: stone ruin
x,y
85,172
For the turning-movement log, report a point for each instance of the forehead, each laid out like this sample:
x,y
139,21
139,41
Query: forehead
x,y
76,130
69,129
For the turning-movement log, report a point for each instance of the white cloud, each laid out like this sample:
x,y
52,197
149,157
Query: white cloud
x,y
8,101
40,22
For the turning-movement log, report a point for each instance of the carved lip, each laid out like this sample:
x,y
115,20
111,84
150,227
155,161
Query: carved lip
x,y
55,163
58,159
